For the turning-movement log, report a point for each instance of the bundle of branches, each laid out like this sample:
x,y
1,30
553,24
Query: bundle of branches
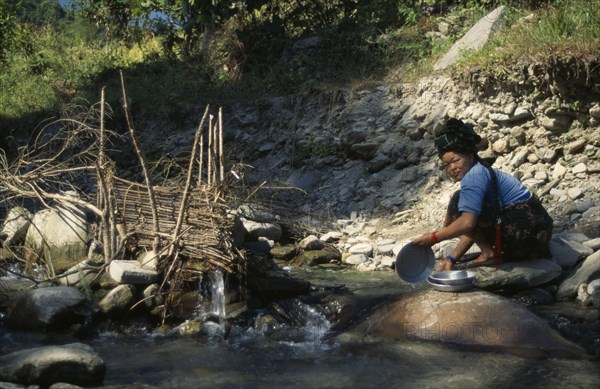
x,y
205,239
176,222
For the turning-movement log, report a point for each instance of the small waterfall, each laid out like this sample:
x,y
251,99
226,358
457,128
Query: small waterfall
x,y
217,295
211,307
316,325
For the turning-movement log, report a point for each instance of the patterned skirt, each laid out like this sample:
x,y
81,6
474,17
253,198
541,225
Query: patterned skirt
x,y
526,227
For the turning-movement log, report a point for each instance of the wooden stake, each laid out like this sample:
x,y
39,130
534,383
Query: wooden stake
x,y
144,165
209,149
188,183
221,167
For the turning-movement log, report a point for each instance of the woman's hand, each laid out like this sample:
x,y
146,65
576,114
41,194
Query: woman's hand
x,y
425,240
444,265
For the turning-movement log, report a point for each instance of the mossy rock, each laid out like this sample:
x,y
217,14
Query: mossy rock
x,y
318,257
284,252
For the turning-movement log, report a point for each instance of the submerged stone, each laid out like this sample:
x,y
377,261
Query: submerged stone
x,y
75,363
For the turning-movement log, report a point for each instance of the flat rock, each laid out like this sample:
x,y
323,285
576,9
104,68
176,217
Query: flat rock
x,y
131,272
517,275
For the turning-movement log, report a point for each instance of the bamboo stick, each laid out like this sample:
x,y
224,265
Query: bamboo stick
x,y
221,167
209,149
200,158
143,163
214,152
101,177
188,182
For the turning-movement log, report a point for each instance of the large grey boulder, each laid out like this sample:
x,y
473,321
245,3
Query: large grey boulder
x,y
47,309
74,363
589,270
480,319
59,236
254,230
474,39
517,275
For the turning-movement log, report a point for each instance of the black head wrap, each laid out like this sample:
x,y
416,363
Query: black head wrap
x,y
458,137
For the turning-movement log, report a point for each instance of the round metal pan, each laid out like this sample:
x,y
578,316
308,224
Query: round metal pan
x,y
450,288
453,277
414,264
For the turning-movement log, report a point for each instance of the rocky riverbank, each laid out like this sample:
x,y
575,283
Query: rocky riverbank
x,y
344,179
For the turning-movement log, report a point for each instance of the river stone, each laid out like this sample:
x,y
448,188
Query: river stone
x,y
332,236
257,213
15,226
47,309
361,248
74,363
480,319
566,252
317,257
283,252
59,234
311,242
594,244
131,272
589,270
517,275
254,230
83,275
118,300
356,259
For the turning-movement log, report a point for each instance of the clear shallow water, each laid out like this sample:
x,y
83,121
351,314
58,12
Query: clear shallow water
x,y
311,356
251,361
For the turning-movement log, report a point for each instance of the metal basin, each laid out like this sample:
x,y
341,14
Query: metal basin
x,y
450,288
453,277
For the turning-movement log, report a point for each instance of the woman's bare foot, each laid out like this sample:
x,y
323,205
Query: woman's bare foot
x,y
485,261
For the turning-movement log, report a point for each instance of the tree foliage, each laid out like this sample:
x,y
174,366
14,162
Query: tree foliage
x,y
7,26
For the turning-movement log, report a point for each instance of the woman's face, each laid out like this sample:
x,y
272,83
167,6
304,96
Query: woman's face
x,y
457,165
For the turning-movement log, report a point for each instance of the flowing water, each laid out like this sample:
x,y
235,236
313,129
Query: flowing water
x,y
312,356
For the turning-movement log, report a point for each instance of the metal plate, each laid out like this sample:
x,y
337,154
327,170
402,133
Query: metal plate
x,y
450,288
453,277
414,263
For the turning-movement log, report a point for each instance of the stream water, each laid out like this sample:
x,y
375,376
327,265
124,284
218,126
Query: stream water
x,y
313,356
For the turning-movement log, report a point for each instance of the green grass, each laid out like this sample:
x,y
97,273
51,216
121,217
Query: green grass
x,y
566,29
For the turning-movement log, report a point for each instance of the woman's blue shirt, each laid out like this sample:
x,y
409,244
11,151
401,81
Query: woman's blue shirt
x,y
477,187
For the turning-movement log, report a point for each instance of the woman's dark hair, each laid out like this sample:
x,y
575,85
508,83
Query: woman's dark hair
x,y
458,137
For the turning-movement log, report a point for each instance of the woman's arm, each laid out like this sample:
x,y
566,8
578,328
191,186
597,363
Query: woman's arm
x,y
464,224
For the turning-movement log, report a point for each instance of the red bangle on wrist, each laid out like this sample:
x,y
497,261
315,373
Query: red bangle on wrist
x,y
434,238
